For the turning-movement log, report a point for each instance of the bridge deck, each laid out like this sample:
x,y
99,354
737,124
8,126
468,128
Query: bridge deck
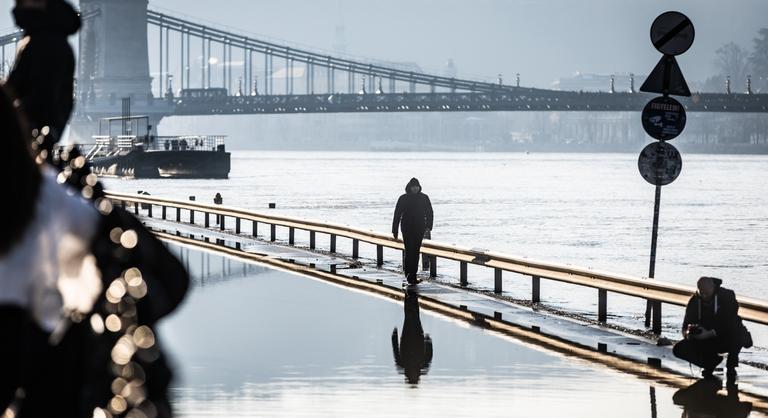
x,y
510,101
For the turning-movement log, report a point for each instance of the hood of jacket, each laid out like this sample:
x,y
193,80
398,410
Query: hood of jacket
x,y
414,182
716,281
59,17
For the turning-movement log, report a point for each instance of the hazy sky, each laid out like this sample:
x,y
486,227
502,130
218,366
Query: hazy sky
x,y
541,39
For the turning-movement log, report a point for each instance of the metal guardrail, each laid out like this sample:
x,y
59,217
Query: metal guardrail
x,y
751,309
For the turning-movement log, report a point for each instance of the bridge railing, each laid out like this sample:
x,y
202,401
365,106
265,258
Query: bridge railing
x,y
751,309
445,102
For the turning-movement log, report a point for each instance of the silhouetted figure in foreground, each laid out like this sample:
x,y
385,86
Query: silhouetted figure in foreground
x,y
82,286
42,78
414,353
712,326
413,214
702,400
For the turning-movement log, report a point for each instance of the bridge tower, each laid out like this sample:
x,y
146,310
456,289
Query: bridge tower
x,y
114,61
113,64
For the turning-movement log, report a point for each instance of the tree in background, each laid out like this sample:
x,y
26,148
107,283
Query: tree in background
x,y
759,61
732,61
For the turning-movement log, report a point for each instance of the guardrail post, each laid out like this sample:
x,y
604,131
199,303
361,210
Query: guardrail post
x,y
497,280
379,255
536,292
656,326
191,216
273,232
311,240
433,266
149,210
163,212
602,305
255,227
222,221
333,243
136,208
355,248
463,273
207,219
291,235
237,225
122,204
178,214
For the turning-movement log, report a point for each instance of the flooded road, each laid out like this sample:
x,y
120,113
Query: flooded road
x,y
260,343
591,210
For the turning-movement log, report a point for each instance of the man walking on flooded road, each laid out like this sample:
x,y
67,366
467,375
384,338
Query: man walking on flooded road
x,y
413,214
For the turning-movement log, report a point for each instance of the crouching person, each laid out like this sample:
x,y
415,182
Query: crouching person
x,y
713,327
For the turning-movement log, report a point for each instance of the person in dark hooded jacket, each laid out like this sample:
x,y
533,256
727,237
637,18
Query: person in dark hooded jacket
x,y
42,78
413,214
712,326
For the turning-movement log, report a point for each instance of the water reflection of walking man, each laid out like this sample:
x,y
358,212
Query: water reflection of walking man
x,y
413,214
414,353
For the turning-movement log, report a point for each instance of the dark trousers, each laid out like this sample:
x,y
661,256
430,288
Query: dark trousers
x,y
424,257
706,353
412,241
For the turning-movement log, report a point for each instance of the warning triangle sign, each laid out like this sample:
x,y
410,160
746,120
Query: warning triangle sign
x,y
666,78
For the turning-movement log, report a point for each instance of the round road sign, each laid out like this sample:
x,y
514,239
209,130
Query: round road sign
x,y
664,118
672,33
660,163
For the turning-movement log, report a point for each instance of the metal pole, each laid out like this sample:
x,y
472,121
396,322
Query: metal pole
x,y
209,63
250,71
224,65
653,306
333,80
181,55
266,73
293,63
189,62
160,72
167,53
202,63
309,77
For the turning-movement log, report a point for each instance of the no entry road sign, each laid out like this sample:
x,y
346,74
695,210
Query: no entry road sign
x,y
660,163
664,118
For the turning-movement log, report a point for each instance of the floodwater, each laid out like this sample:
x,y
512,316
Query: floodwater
x,y
254,342
591,210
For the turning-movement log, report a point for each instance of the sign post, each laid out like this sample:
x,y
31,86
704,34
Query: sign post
x,y
664,118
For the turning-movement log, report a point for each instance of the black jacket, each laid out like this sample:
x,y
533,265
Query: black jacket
x,y
43,75
725,319
413,211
